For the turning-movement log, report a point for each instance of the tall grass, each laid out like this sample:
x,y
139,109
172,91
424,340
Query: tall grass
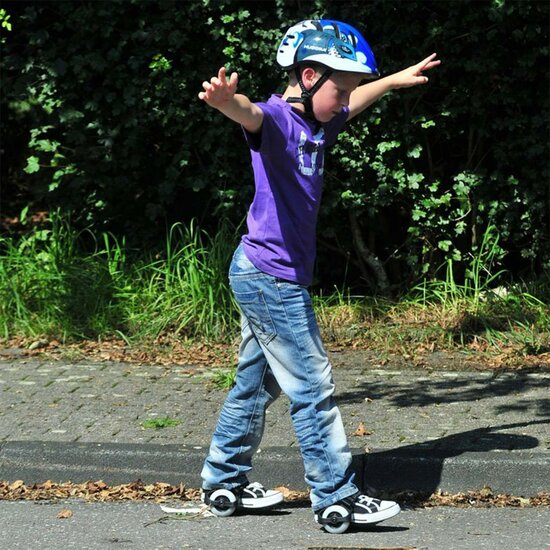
x,y
50,286
186,290
482,312
483,307
480,277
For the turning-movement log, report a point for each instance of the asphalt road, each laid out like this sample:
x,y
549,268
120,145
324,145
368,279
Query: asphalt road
x,y
135,526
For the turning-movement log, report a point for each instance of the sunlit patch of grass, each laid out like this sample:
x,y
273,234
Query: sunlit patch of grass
x,y
50,286
224,379
185,291
340,316
160,423
512,321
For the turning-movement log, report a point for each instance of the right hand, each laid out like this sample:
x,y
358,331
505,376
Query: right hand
x,y
412,76
219,90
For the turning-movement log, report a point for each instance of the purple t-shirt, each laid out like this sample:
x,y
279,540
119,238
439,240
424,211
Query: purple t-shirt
x,y
288,160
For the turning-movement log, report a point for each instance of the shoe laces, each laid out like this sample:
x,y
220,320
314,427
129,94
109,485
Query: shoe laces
x,y
365,499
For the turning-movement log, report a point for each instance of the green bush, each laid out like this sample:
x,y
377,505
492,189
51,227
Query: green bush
x,y
100,118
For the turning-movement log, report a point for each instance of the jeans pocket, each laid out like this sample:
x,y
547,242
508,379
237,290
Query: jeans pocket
x,y
254,307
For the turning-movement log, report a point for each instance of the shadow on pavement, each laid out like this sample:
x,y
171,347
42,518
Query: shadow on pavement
x,y
420,467
424,392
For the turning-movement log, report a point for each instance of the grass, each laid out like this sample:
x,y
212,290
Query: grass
x,y
51,288
224,379
184,292
48,288
478,315
160,423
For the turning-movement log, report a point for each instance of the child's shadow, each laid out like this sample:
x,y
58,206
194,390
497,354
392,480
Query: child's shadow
x,y
419,467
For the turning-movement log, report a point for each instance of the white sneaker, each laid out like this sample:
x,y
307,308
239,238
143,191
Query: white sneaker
x,y
224,502
358,508
255,495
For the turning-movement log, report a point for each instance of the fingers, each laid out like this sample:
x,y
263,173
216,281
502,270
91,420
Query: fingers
x,y
208,89
430,57
233,80
220,80
425,65
218,83
429,63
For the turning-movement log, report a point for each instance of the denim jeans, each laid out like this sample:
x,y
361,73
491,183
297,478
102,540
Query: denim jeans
x,y
281,348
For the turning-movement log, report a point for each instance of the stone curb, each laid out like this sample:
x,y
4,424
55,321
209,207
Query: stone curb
x,y
520,473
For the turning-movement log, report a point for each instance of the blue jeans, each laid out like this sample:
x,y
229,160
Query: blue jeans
x,y
281,348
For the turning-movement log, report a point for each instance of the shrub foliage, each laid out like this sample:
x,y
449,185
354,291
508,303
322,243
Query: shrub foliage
x,y
100,118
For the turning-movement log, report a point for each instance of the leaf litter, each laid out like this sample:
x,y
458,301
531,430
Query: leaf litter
x,y
96,491
169,350
99,491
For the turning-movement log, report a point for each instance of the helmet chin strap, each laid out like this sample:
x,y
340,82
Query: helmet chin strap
x,y
306,97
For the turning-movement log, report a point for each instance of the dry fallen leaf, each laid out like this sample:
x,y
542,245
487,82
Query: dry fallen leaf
x,y
292,496
64,514
284,490
16,485
96,486
361,430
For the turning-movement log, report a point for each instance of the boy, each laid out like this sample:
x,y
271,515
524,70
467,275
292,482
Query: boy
x,y
281,348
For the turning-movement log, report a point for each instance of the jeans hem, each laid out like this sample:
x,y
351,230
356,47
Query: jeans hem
x,y
335,497
228,486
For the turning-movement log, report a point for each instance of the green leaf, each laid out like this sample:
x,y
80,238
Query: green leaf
x,y
24,214
444,245
385,146
415,152
32,165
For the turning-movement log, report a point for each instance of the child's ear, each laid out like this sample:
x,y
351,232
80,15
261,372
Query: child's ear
x,y
309,77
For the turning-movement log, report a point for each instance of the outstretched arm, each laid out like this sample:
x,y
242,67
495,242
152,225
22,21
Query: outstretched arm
x,y
366,95
220,94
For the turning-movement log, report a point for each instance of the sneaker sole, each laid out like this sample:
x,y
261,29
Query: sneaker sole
x,y
377,517
264,502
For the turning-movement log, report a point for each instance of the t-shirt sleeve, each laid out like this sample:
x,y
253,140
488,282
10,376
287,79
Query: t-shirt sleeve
x,y
273,132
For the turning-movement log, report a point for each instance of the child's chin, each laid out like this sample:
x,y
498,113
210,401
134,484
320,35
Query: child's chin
x,y
327,117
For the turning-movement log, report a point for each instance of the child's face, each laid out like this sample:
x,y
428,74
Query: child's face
x,y
334,94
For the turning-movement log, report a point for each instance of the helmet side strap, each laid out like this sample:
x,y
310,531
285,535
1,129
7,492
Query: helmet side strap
x,y
306,97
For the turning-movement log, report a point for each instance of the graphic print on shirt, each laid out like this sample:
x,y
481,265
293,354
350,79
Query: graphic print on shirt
x,y
307,154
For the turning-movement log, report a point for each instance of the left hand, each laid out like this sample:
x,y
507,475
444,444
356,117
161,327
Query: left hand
x,y
412,76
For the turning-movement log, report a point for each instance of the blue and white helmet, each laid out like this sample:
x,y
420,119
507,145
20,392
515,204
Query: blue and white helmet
x,y
334,44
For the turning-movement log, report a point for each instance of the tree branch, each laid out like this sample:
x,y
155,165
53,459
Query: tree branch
x,y
367,258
